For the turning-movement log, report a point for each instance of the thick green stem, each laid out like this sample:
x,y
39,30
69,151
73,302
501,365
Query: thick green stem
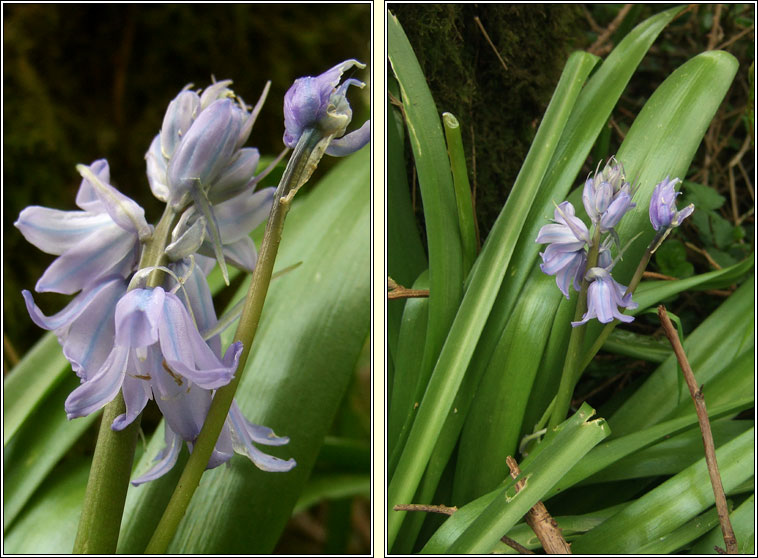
x,y
299,168
108,480
570,374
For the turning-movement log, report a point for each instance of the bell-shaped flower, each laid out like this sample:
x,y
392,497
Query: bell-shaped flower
x,y
604,297
568,229
663,213
607,196
102,239
566,254
321,103
85,327
154,333
200,147
185,405
567,265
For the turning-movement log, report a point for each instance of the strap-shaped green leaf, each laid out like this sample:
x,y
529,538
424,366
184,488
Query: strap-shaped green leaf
x,y
485,281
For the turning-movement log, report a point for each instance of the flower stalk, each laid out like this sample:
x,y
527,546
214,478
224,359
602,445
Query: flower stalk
x,y
108,480
307,153
570,365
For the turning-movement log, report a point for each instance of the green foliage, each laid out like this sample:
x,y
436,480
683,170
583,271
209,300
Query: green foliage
x,y
501,361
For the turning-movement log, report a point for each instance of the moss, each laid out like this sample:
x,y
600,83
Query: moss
x,y
499,109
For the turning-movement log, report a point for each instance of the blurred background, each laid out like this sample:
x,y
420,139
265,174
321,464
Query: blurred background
x,y
84,82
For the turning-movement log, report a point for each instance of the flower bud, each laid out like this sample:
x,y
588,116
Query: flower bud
x,y
205,149
663,213
321,103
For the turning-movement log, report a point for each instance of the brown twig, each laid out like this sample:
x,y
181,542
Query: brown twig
x,y
705,254
738,36
538,518
395,290
717,33
705,429
447,510
654,275
486,36
429,508
598,45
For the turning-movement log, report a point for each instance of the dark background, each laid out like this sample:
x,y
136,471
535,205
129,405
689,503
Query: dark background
x,y
84,82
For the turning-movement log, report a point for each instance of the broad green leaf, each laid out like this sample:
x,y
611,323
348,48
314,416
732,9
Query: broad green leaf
x,y
486,277
650,293
671,504
685,534
502,397
332,487
710,349
436,184
570,526
48,525
146,503
612,451
462,189
30,381
38,446
743,523
635,345
409,383
478,526
671,455
405,254
313,328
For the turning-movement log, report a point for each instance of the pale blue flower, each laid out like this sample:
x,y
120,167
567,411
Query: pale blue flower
x,y
607,196
200,147
185,404
663,213
154,334
321,103
566,254
85,327
102,239
604,297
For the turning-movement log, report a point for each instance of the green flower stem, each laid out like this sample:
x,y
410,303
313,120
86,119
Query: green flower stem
x,y
305,157
636,278
107,484
108,481
571,371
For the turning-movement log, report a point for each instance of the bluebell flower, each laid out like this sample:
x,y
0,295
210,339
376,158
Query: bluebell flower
x,y
566,254
154,334
85,327
185,404
321,103
200,147
604,297
102,239
663,213
607,196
